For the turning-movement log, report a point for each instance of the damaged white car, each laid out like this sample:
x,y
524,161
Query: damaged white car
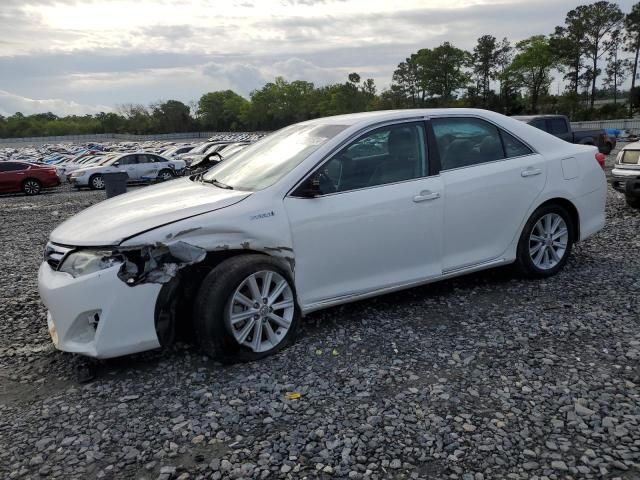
x,y
317,214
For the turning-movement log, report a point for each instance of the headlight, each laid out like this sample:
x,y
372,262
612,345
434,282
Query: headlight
x,y
84,262
77,174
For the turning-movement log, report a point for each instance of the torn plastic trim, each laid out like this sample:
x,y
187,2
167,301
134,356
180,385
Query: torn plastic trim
x,y
157,263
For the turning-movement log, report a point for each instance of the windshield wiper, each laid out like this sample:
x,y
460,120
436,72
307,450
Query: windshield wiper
x,y
218,184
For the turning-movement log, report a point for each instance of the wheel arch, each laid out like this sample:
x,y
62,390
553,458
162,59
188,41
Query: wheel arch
x,y
173,316
25,180
571,209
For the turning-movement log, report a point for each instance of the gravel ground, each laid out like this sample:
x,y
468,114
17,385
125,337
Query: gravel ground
x,y
481,377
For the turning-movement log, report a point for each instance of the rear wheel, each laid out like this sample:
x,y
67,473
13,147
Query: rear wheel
x,y
31,186
545,243
633,202
246,309
96,182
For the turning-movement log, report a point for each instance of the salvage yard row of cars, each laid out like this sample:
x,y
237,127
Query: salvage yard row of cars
x,y
30,170
320,213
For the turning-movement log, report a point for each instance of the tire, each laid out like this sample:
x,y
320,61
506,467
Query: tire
x,y
633,202
528,261
217,298
96,182
165,175
31,186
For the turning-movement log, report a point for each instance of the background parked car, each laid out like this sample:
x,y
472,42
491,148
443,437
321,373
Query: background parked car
x,y
625,176
26,177
139,167
559,126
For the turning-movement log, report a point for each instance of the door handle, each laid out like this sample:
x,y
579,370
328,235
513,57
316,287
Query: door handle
x,y
426,195
530,172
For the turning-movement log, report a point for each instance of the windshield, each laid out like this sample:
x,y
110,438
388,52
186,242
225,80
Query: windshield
x,y
263,163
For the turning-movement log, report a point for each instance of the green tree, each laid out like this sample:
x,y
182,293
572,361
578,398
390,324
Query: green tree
x,y
222,110
597,22
485,65
632,40
531,68
617,68
172,116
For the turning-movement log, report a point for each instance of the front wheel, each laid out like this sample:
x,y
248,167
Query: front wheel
x,y
96,182
31,187
633,202
246,309
165,175
545,242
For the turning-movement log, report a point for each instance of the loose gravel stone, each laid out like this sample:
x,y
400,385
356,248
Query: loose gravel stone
x,y
483,377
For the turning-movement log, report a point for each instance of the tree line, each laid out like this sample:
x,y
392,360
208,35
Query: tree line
x,y
593,53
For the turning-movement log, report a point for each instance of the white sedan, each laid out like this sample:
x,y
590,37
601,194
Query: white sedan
x,y
320,213
139,167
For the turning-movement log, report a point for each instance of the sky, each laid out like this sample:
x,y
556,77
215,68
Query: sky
x,y
83,56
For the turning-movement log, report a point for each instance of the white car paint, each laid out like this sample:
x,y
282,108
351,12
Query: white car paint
x,y
338,247
135,171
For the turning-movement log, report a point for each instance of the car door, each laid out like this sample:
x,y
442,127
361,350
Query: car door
x,y
129,164
491,179
147,167
377,222
9,179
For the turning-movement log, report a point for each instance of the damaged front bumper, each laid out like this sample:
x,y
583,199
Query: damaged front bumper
x,y
98,314
102,303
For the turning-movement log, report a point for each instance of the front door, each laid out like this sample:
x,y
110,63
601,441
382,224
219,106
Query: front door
x,y
377,222
491,180
129,164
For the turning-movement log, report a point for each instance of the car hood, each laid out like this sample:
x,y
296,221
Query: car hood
x,y
114,220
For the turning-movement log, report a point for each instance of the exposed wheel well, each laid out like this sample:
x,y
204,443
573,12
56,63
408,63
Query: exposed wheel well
x,y
573,212
176,300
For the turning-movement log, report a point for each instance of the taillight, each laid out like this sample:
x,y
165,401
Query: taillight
x,y
600,158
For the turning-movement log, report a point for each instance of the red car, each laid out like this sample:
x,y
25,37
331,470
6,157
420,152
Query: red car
x,y
29,178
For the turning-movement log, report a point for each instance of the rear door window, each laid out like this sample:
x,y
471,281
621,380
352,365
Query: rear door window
x,y
539,124
557,126
465,142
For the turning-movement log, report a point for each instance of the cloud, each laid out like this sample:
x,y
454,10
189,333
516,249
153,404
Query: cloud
x,y
110,52
11,103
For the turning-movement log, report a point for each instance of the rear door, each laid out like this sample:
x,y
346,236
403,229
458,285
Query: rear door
x,y
147,167
11,176
491,179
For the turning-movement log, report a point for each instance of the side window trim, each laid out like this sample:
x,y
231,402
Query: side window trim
x,y
421,120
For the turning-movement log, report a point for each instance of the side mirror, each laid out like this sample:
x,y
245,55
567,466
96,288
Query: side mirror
x,y
311,187
117,164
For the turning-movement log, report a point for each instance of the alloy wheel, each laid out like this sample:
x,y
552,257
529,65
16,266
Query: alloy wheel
x,y
548,241
260,311
98,183
166,176
31,187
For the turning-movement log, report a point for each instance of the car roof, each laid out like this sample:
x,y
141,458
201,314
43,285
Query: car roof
x,y
352,119
632,146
